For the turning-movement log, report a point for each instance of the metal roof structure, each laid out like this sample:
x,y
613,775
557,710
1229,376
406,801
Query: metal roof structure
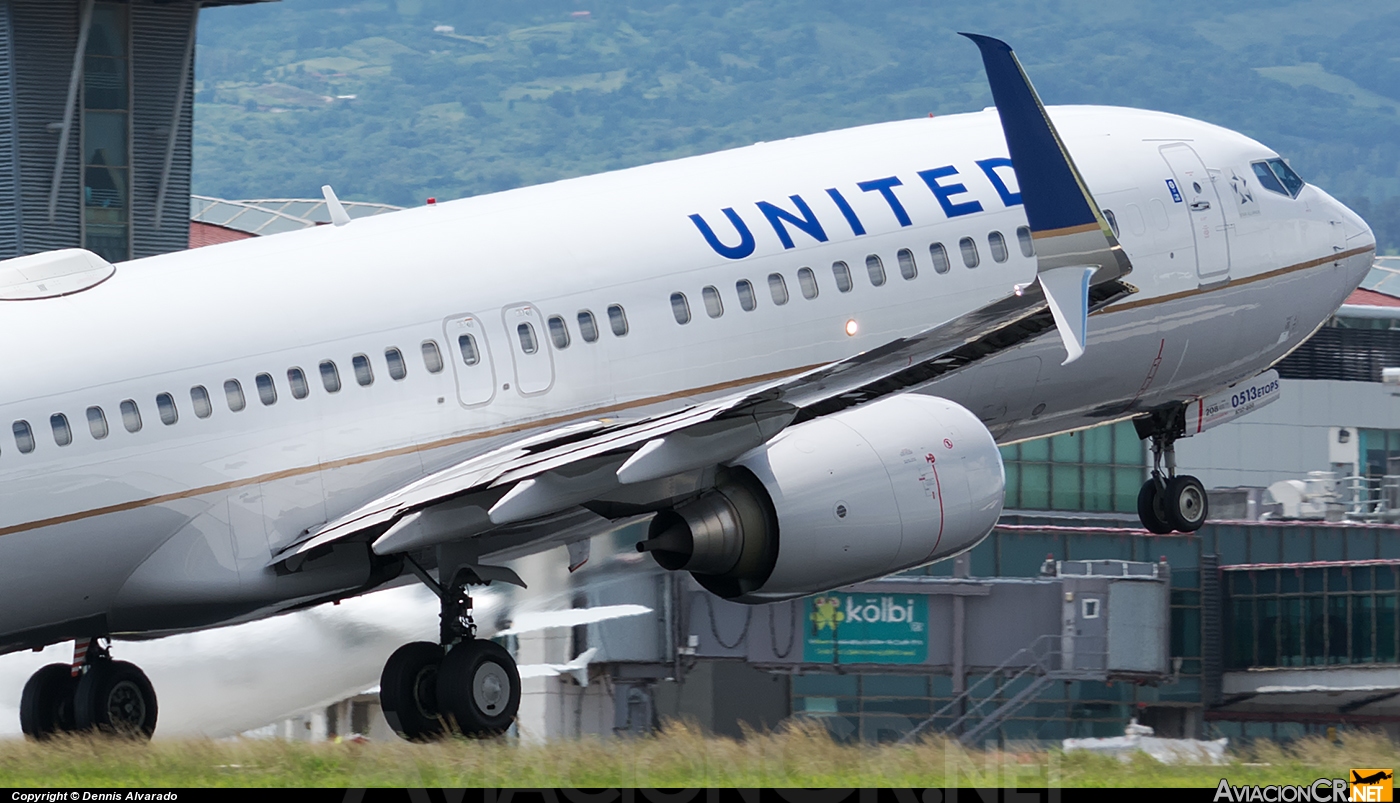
x,y
274,215
1384,276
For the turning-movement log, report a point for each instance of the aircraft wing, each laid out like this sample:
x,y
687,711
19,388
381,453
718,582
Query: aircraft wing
x,y
628,466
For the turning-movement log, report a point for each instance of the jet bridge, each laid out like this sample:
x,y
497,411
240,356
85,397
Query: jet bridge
x,y
1011,637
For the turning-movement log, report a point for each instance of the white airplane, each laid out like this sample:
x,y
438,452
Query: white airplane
x,y
724,344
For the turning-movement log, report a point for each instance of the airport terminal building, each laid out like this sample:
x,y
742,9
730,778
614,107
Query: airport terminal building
x,y
96,119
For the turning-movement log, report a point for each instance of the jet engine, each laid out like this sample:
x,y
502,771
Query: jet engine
x,y
849,497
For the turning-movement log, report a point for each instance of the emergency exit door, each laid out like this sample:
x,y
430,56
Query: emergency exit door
x,y
1194,188
470,355
529,348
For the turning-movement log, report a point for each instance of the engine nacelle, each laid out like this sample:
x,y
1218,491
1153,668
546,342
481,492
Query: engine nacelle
x,y
849,497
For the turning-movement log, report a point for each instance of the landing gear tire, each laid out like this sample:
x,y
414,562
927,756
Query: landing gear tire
x,y
116,698
46,706
478,688
408,691
1150,509
1186,503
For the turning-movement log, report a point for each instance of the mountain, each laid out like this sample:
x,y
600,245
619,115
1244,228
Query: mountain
x,y
397,101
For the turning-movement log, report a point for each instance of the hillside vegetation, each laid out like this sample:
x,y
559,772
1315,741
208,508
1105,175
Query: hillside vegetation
x,y
399,100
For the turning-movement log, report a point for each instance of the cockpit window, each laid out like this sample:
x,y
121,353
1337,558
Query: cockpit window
x,y
1276,176
1291,180
1267,178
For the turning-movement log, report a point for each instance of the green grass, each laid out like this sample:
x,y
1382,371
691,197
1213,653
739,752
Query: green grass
x,y
679,757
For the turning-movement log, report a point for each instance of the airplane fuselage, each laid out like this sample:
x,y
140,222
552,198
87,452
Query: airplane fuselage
x,y
326,334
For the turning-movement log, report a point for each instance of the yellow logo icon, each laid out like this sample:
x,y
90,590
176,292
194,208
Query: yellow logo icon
x,y
1372,786
828,614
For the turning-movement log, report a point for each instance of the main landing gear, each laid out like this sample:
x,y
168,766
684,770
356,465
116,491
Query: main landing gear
x,y
95,693
1169,502
464,685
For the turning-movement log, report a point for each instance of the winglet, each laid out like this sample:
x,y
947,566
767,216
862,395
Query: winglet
x,y
338,214
1075,246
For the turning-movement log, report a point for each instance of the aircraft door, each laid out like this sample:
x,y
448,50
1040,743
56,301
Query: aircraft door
x,y
470,356
529,349
1194,188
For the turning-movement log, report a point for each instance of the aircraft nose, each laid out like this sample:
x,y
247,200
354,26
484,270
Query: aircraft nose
x,y
1358,232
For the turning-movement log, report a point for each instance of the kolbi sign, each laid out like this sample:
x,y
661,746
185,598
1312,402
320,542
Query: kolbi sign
x,y
866,629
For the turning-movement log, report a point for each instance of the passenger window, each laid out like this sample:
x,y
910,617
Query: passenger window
x,y
939,255
998,245
680,308
97,423
233,392
165,406
876,269
199,397
1112,221
432,357
969,252
1290,179
714,306
330,376
617,318
526,333
62,433
907,268
587,327
398,369
777,288
842,273
24,437
807,282
267,391
1023,236
296,380
559,332
747,299
364,375
131,416
467,345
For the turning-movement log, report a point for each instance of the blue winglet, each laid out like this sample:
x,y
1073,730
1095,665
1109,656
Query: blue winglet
x,y
1051,189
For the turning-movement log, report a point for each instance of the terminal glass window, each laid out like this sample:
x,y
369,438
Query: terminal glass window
x,y
1313,614
106,134
1096,469
1380,452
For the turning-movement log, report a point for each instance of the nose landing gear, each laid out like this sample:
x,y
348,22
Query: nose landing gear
x,y
465,685
1169,502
